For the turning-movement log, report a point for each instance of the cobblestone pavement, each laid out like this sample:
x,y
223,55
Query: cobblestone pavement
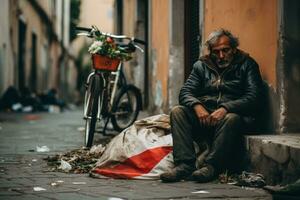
x,y
25,175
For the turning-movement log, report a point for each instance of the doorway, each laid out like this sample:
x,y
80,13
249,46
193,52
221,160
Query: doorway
x,y
33,71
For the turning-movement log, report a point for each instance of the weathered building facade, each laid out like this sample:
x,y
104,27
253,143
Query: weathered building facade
x,y
34,44
175,31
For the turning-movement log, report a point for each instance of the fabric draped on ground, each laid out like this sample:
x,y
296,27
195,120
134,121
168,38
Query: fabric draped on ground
x,y
142,151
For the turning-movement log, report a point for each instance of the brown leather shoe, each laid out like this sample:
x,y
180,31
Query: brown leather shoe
x,y
176,174
205,174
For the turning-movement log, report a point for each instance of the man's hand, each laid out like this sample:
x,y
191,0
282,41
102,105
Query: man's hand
x,y
202,114
217,115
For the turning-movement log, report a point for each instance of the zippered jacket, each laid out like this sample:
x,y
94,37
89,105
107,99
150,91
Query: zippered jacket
x,y
237,88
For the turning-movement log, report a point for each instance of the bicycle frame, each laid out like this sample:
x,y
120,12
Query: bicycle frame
x,y
108,97
117,74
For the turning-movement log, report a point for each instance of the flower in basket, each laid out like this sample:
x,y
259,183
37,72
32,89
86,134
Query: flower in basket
x,y
106,46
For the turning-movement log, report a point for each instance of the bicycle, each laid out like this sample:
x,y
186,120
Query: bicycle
x,y
108,96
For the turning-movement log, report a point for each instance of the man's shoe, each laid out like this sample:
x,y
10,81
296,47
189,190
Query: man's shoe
x,y
176,174
205,174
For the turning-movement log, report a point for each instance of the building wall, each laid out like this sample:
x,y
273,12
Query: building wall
x,y
6,55
53,72
166,47
289,66
176,57
40,19
66,20
129,29
254,22
61,16
135,69
129,12
48,5
99,13
94,13
58,17
34,25
160,43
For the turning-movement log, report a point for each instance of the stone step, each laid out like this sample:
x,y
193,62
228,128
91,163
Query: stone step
x,y
277,157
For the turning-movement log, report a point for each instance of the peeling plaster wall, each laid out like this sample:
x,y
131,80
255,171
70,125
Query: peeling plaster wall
x,y
167,53
129,19
160,45
133,26
176,59
289,69
176,75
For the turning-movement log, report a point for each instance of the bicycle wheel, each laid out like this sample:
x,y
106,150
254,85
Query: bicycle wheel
x,y
92,99
126,107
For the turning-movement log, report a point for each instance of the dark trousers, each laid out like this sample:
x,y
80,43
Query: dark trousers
x,y
224,139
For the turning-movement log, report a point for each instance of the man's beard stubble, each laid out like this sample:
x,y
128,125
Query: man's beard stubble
x,y
223,63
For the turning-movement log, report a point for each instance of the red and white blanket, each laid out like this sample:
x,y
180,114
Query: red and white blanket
x,y
142,151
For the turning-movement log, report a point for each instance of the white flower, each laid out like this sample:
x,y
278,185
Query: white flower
x,y
95,47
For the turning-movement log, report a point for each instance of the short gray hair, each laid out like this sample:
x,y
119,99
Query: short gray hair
x,y
215,35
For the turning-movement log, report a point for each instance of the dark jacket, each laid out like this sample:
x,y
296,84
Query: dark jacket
x,y
237,88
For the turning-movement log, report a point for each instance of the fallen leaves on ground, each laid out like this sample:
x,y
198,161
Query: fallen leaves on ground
x,y
82,160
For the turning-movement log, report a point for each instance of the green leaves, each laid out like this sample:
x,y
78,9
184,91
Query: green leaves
x,y
106,46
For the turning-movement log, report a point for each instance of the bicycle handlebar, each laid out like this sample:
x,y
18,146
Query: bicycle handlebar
x,y
139,41
83,29
94,31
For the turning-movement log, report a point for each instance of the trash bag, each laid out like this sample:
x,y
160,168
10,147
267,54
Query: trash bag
x,y
142,151
65,166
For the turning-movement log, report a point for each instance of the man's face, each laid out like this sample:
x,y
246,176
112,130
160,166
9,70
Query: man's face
x,y
222,52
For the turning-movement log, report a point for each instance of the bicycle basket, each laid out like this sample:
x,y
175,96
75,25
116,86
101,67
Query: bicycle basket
x,y
104,63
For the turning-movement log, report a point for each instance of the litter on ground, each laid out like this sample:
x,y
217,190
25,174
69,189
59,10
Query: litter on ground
x,y
42,149
38,189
